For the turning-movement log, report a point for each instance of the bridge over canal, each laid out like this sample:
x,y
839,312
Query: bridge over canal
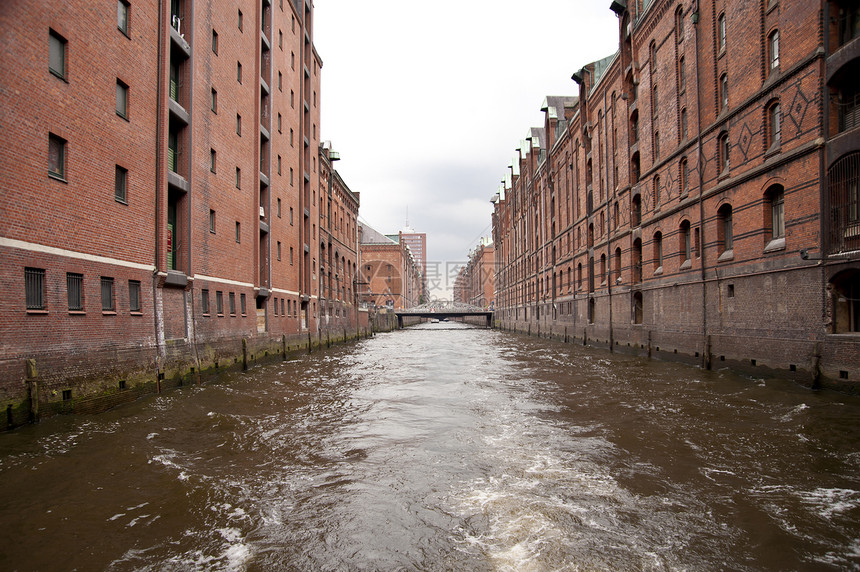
x,y
443,309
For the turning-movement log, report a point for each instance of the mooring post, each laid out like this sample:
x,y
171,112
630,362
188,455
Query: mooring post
x,y
244,354
33,389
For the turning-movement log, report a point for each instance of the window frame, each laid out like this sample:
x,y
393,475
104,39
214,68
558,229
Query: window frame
x,y
123,10
55,42
108,294
75,292
35,292
122,93
135,304
773,51
55,141
121,185
721,33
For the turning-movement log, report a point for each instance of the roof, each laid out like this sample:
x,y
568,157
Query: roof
x,y
369,235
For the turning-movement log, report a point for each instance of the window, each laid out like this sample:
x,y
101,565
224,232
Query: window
x,y
239,72
846,302
240,20
134,296
723,152
238,178
219,302
242,303
122,16
636,211
75,291
774,127
291,137
291,256
658,252
686,246
773,50
725,235
238,125
280,40
279,250
656,144
108,303
683,129
214,42
291,213
724,92
682,75
721,32
636,261
679,24
238,231
232,303
56,156
57,55
212,160
121,185
652,53
775,211
292,99
214,101
204,300
293,61
656,191
280,81
279,123
279,207
683,174
279,164
211,221
34,288
637,308
121,99
654,103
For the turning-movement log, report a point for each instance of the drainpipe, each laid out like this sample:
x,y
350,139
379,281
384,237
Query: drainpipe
x,y
706,349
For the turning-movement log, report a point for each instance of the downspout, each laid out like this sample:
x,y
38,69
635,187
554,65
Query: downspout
x,y
158,309
706,349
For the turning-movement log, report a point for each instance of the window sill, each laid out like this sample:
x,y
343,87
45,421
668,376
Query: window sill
x,y
687,264
658,271
38,312
726,256
136,313
108,312
57,177
120,201
206,315
775,245
77,313
774,149
123,117
58,75
123,32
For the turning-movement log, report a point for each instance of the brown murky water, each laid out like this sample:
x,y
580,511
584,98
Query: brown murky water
x,y
444,447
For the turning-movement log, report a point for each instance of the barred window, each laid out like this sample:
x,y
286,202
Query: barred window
x,y
75,291
204,300
219,302
34,288
232,303
108,299
242,303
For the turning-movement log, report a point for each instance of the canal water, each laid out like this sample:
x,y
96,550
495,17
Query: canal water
x,y
444,447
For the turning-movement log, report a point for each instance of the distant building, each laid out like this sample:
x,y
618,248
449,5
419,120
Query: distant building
x,y
475,282
417,243
389,274
698,198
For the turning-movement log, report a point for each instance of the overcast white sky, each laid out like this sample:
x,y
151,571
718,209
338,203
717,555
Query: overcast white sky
x,y
427,102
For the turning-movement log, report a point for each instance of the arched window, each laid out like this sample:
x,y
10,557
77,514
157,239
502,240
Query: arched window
x,y
721,32
679,24
636,262
723,152
844,191
774,125
652,52
635,170
658,251
724,92
634,127
656,193
685,242
773,51
682,75
617,264
683,173
656,145
603,276
774,212
579,276
636,211
725,235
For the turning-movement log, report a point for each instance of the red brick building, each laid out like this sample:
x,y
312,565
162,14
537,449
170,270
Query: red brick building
x,y
697,199
215,244
390,275
475,282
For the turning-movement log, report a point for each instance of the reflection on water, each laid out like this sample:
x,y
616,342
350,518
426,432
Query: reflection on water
x,y
444,447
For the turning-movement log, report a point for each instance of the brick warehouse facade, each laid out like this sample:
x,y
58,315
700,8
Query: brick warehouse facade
x,y
475,282
227,236
389,275
698,199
